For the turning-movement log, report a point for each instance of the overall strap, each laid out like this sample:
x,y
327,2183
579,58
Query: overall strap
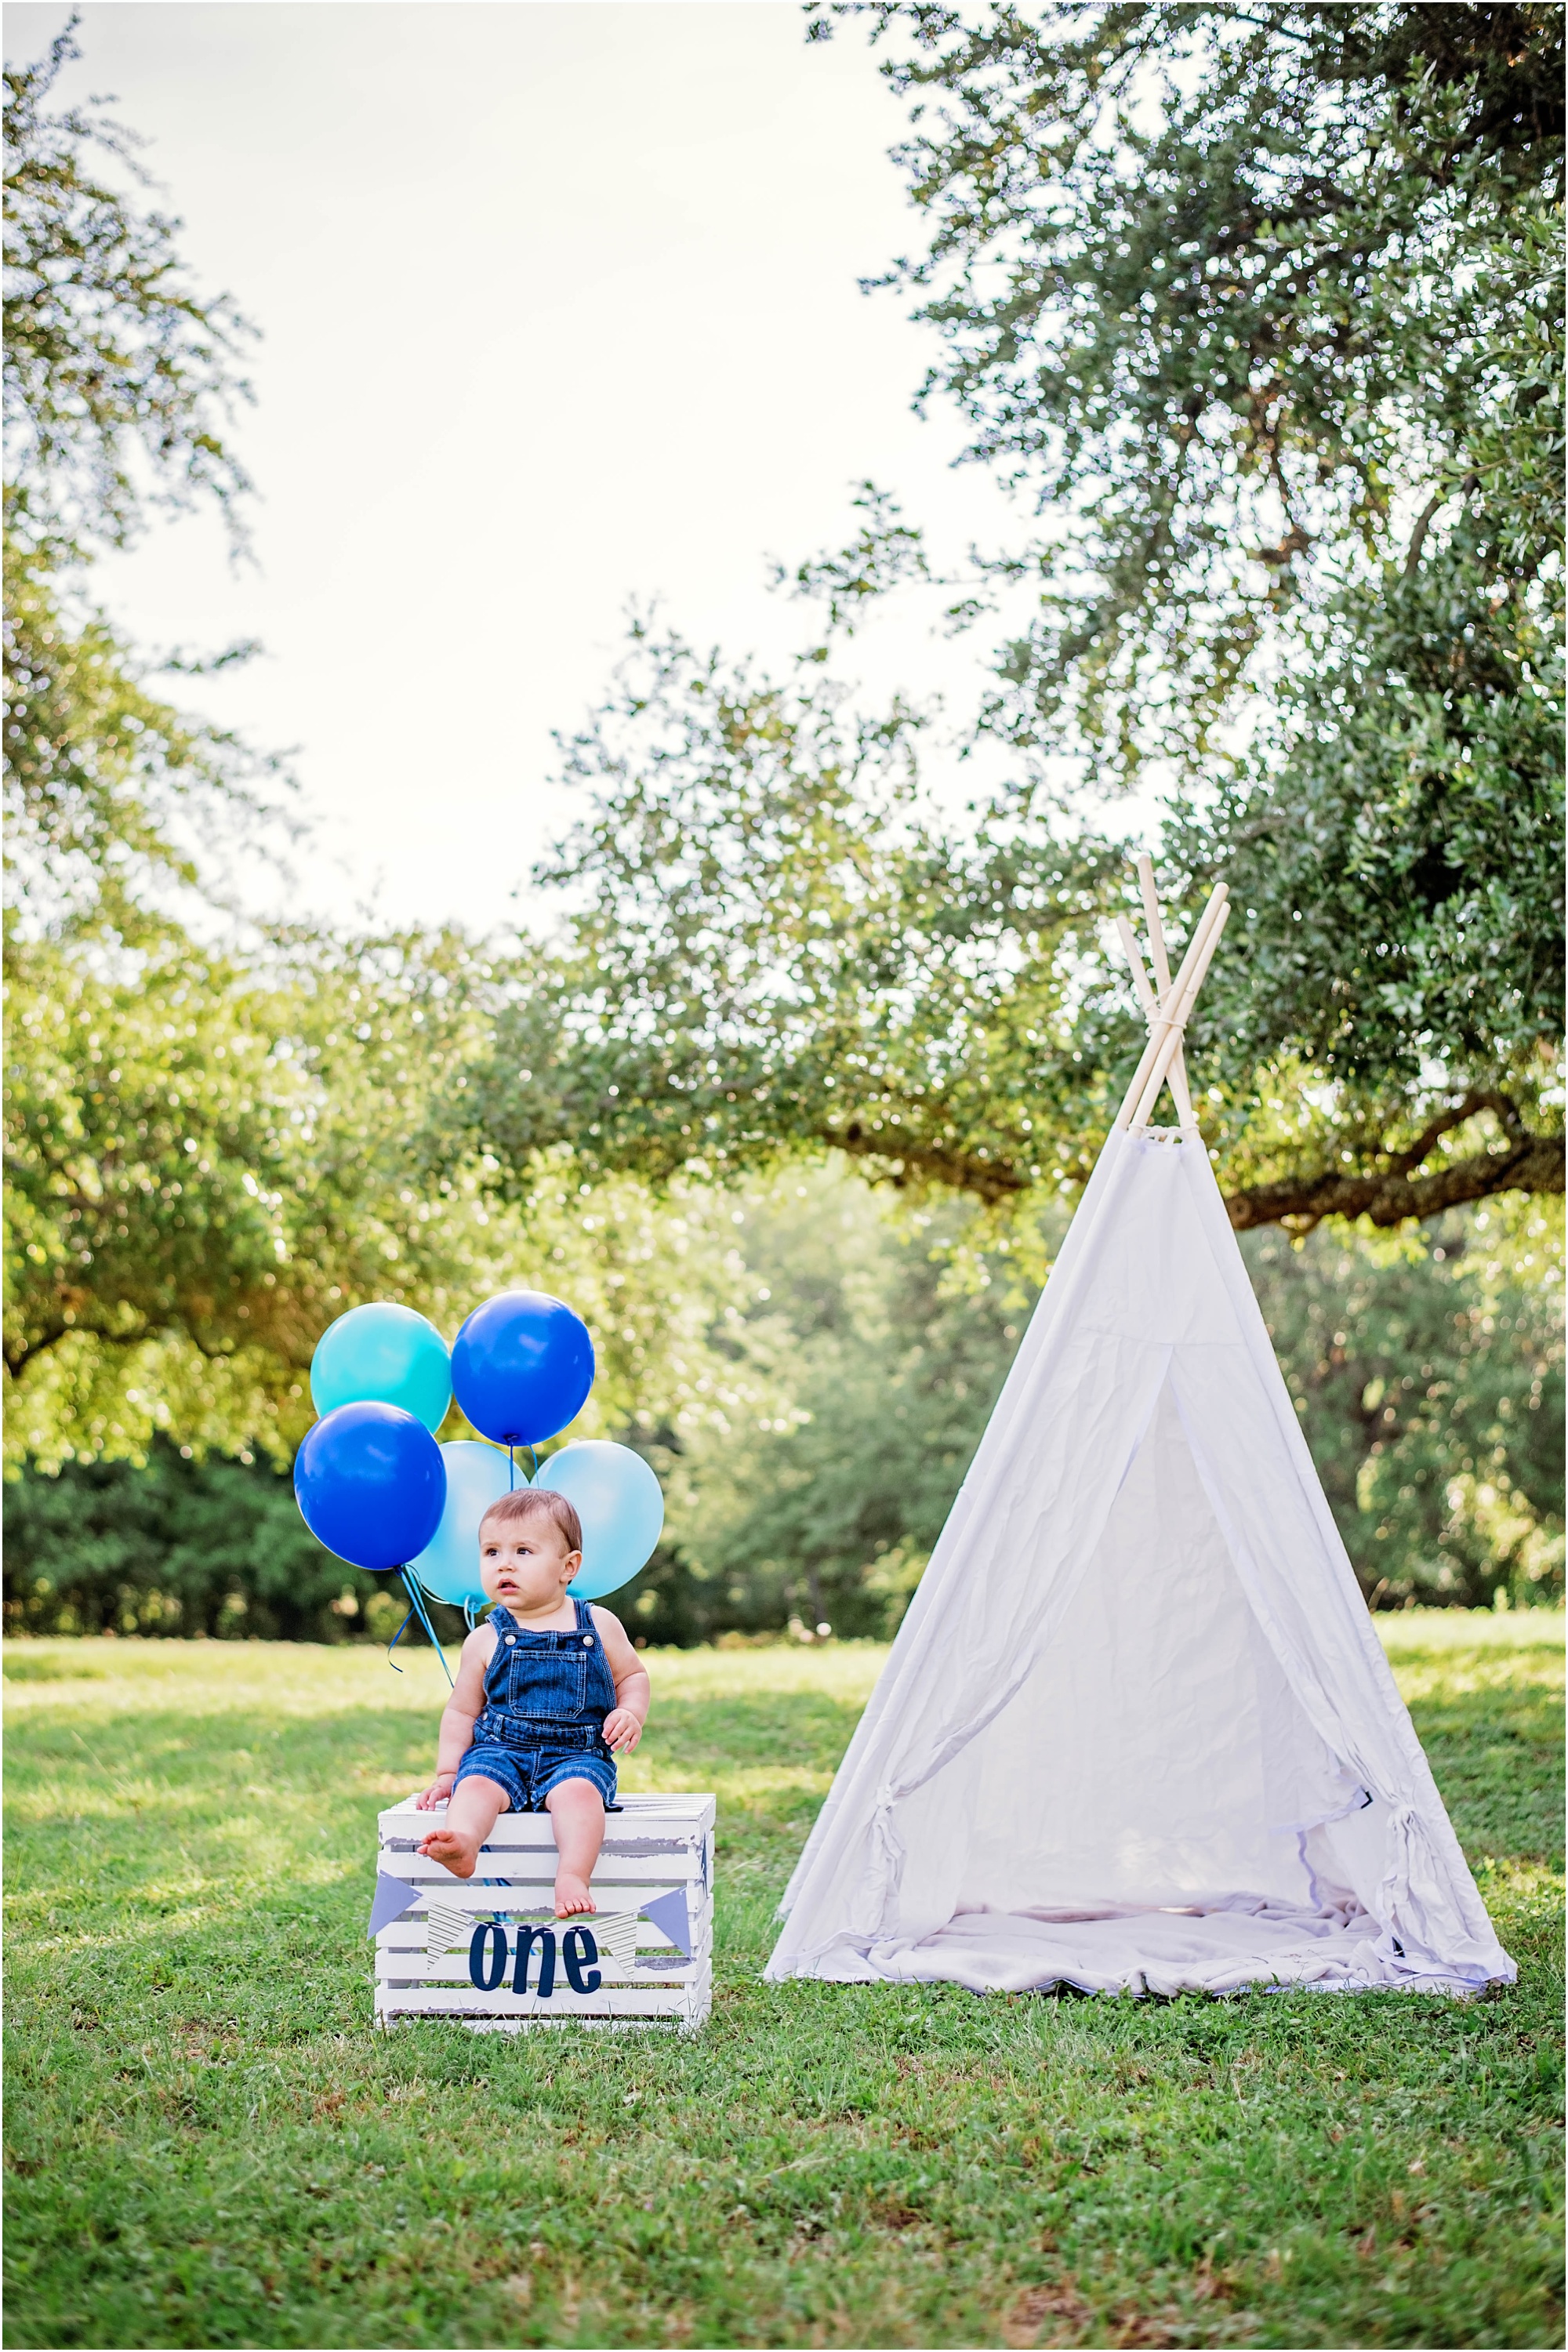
x,y
584,1615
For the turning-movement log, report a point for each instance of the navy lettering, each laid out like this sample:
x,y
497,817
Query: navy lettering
x,y
485,1972
579,1951
526,1939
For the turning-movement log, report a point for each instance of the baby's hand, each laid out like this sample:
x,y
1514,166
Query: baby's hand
x,y
438,1791
623,1729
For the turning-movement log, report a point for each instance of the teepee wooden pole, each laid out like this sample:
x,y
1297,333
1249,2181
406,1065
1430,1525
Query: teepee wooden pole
x,y
1187,991
1151,1006
1157,927
1131,950
1151,896
1166,1025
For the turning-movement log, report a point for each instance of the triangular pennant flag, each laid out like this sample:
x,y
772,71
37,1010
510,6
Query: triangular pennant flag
x,y
615,1934
669,1914
446,1929
394,1896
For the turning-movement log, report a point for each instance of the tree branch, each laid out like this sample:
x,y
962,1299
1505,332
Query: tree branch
x,y
1534,1164
1418,536
1405,1163
1392,1195
903,1157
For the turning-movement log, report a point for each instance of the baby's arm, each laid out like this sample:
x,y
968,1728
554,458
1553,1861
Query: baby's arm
x,y
634,1693
459,1716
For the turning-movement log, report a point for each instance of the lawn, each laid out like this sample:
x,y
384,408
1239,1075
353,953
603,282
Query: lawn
x,y
208,2144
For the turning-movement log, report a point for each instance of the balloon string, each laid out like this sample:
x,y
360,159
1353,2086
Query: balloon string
x,y
411,1585
511,1469
391,1645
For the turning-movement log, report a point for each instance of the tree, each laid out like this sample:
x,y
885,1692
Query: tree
x,y
119,380
206,1162
111,792
221,1135
210,1150
1427,1369
774,945
120,376
1262,313
826,1512
215,1550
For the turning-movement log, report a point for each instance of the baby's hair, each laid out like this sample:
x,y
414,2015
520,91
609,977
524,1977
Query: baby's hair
x,y
535,1503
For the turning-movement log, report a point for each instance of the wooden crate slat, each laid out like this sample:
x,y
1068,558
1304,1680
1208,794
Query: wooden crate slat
x,y
521,1893
462,2000
654,1851
660,1817
683,2013
407,1935
534,1866
412,1968
401,1839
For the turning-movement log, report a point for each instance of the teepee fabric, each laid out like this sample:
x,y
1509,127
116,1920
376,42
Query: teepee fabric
x,y
1137,1730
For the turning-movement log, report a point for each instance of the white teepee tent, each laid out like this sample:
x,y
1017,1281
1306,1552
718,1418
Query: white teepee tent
x,y
1137,1730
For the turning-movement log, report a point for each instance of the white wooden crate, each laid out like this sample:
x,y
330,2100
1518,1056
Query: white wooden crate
x,y
656,1845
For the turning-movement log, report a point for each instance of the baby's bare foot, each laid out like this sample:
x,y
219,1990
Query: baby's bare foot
x,y
572,1895
459,1853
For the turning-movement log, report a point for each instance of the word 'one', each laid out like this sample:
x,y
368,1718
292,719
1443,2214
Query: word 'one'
x,y
488,1954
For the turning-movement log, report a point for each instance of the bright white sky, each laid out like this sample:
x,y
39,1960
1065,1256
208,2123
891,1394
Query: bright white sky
x,y
560,307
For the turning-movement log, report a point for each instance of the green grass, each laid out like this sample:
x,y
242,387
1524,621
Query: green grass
x,y
209,2146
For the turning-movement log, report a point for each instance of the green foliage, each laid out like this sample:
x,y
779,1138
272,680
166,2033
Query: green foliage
x,y
1429,1378
120,377
147,1129
210,1164
810,1375
1263,314
1237,295
213,1549
780,949
207,1168
208,2144
876,1374
110,791
773,947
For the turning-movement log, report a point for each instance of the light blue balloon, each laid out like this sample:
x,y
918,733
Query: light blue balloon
x,y
383,1354
477,1477
620,1502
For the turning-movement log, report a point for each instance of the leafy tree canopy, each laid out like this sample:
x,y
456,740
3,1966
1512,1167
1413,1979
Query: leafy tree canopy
x,y
1261,315
120,376
1246,304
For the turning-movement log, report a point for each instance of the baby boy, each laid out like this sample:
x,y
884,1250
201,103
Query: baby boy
x,y
548,1692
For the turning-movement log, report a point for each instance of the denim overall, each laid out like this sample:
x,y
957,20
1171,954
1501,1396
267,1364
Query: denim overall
x,y
546,1697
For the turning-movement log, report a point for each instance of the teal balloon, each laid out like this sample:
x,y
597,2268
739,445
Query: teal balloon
x,y
384,1354
621,1505
477,1477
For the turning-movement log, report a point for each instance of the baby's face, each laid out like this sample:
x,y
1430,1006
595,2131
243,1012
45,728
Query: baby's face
x,y
524,1563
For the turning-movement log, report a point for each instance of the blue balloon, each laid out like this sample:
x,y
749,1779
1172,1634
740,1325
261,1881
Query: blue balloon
x,y
477,1477
386,1353
523,1365
620,1502
369,1483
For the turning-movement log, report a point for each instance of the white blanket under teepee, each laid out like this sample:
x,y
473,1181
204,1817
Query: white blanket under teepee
x,y
1137,1730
